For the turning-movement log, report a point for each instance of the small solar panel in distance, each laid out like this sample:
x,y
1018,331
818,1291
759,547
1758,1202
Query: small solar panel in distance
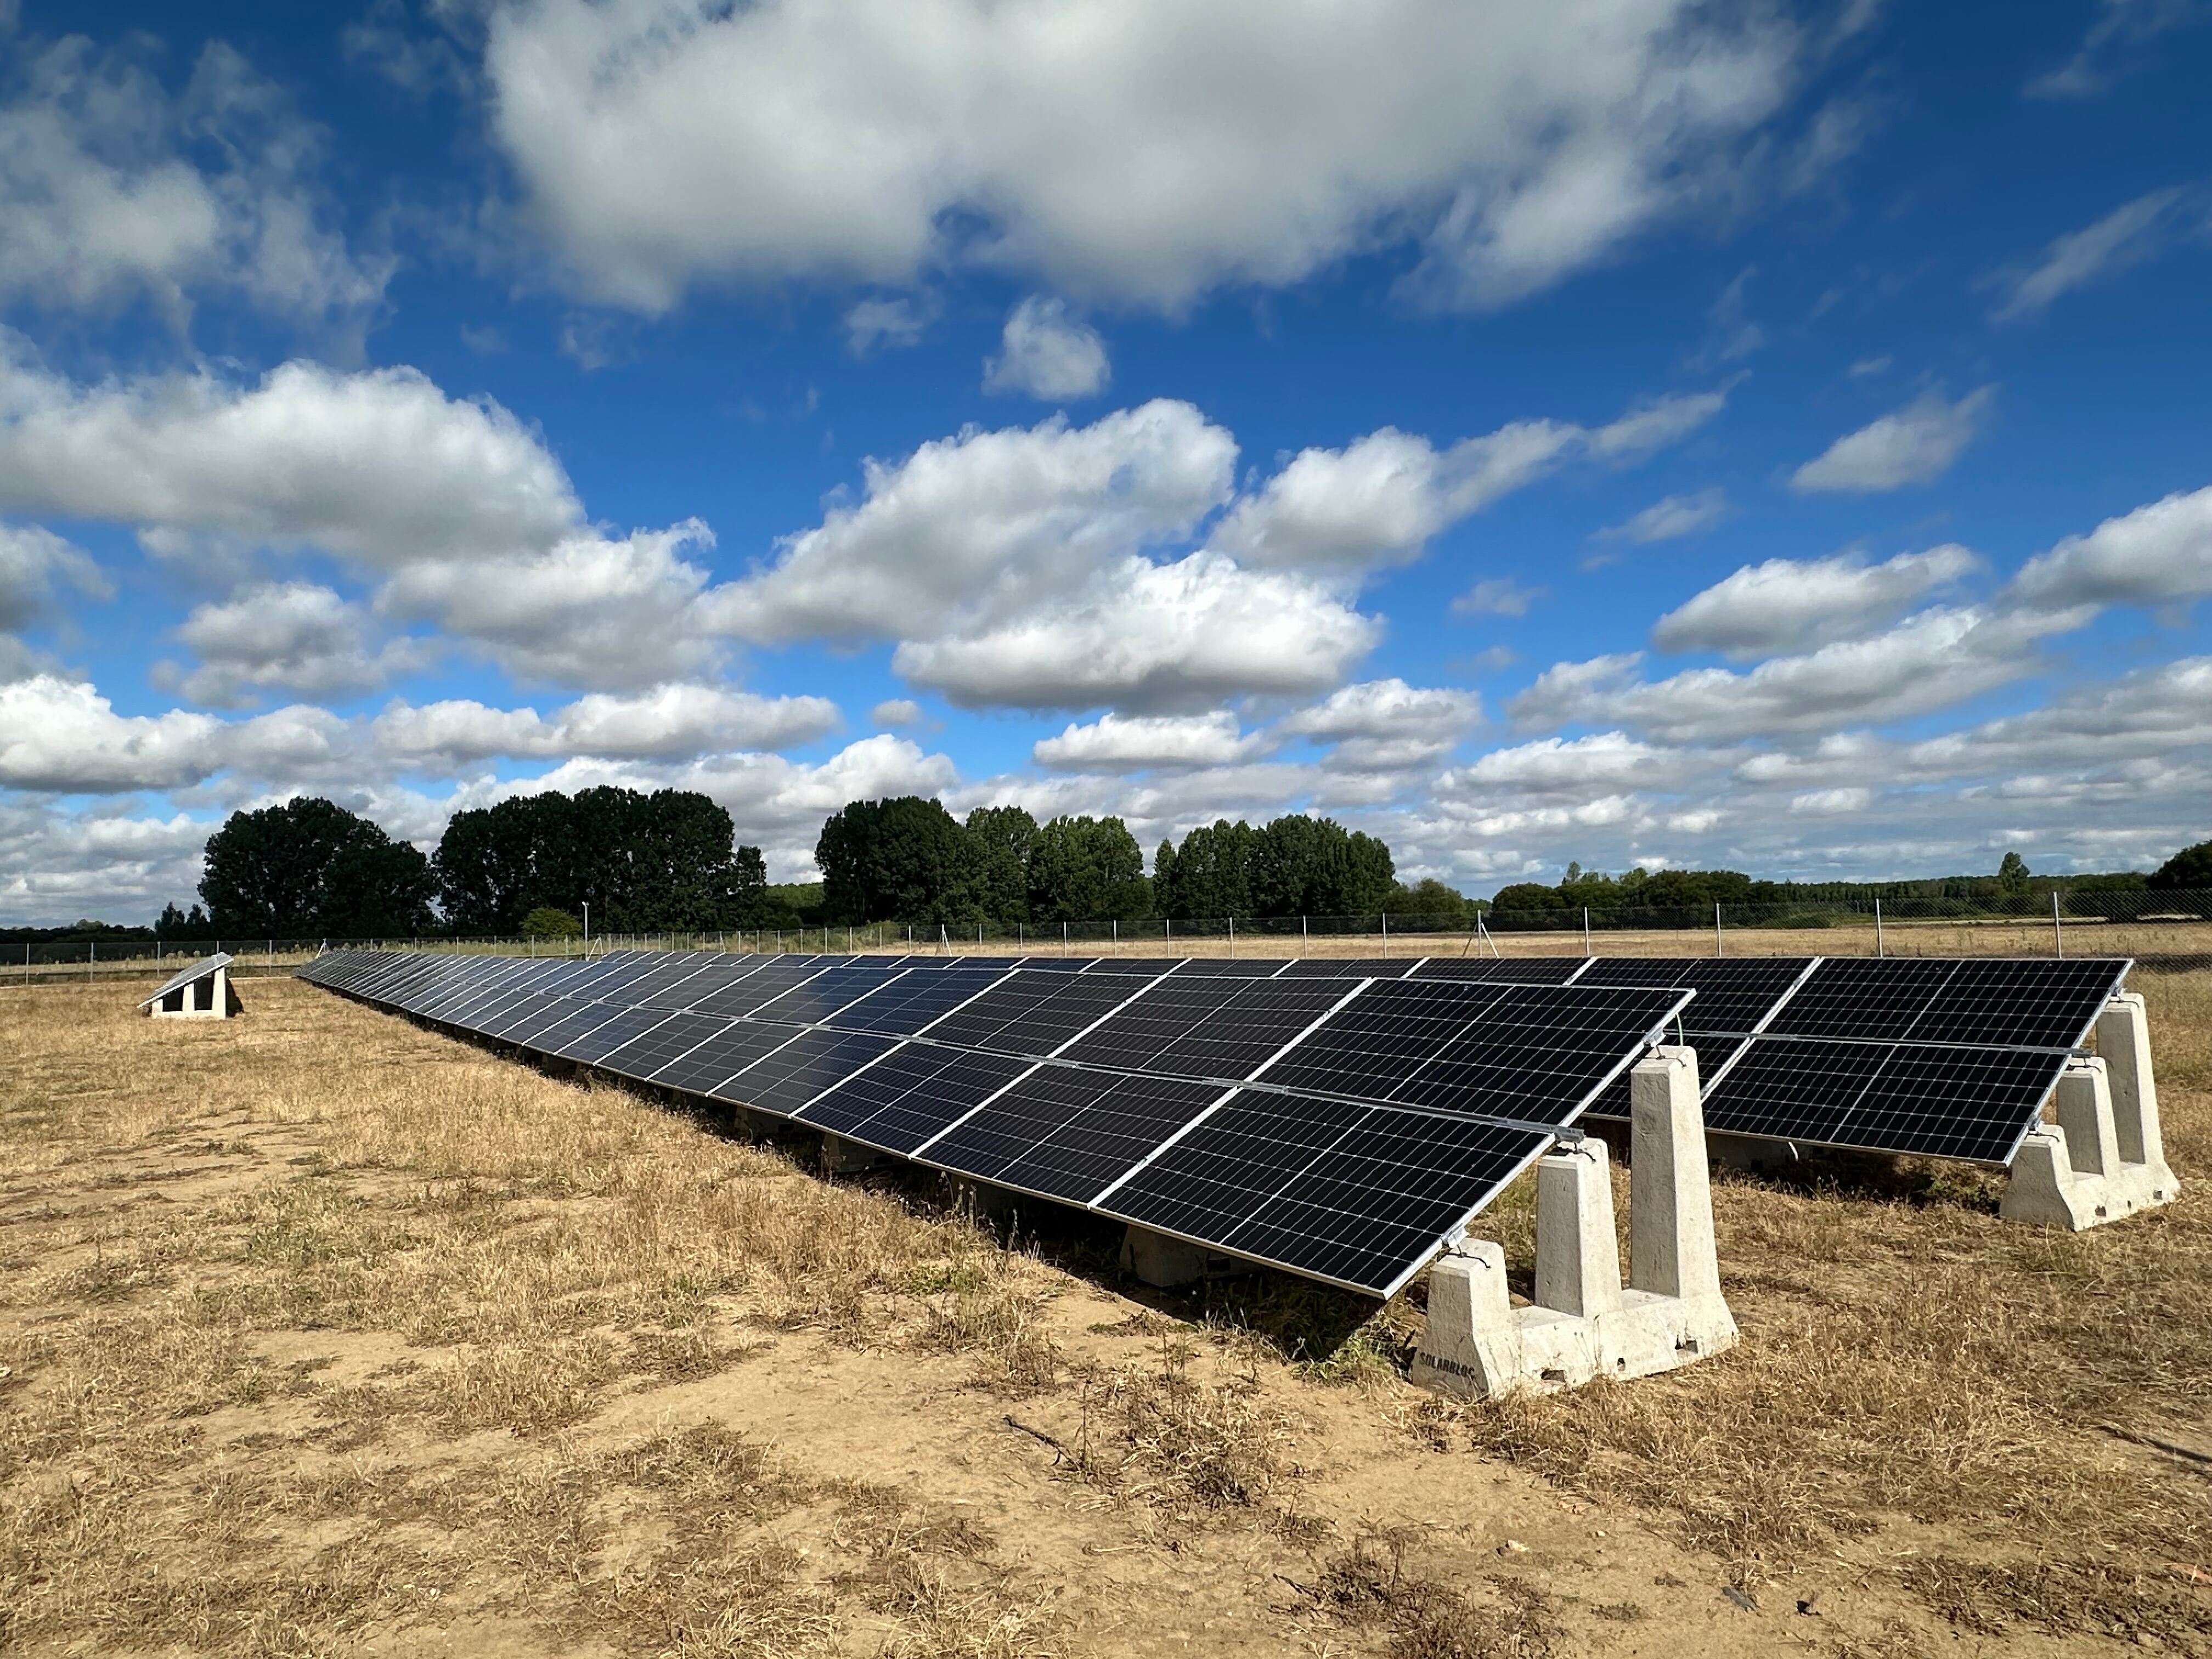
x,y
1516,970
1231,967
1348,968
785,1079
911,1094
1054,964
647,1052
1067,1132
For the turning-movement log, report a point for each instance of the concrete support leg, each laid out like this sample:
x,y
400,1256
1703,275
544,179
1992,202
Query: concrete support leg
x,y
2104,1157
1157,1260
1583,1323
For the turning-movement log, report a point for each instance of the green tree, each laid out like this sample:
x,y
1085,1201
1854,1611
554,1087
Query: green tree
x,y
1527,904
2012,873
1302,866
1082,869
642,862
2188,871
1004,835
1212,874
906,860
496,864
309,868
546,922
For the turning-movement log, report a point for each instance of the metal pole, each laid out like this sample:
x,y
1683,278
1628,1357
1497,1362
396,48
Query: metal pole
x,y
1302,936
1116,950
1386,932
1232,937
2057,932
1879,948
1586,944
1063,938
92,955
1716,930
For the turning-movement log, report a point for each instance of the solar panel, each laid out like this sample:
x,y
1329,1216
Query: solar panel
x,y
787,1078
722,1056
1205,1028
1358,1195
184,976
1068,1134
771,981
1152,1113
914,1000
1028,1015
1518,970
593,1046
661,1045
1349,967
911,1094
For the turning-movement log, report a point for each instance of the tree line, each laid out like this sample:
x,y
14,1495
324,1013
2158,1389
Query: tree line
x,y
670,860
909,860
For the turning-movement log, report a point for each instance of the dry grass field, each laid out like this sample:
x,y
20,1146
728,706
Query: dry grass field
x,y
322,1333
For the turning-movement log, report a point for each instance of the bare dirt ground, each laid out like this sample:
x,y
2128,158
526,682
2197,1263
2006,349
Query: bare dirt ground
x,y
322,1334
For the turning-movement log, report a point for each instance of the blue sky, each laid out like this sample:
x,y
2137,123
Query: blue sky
x,y
1624,432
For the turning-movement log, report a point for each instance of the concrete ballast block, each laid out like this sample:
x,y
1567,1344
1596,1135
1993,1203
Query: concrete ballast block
x,y
1584,1323
2104,1157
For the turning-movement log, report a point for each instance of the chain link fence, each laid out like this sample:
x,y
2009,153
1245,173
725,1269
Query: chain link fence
x,y
2168,930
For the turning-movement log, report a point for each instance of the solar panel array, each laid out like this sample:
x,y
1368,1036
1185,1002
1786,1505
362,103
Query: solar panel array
x,y
1943,1057
1340,1119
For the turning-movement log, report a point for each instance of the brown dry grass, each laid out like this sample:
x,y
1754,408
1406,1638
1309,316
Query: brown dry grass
x,y
319,1334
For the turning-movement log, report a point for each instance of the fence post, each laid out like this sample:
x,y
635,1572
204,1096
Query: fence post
x,y
1063,938
1116,950
1232,938
1386,932
1586,944
91,956
1303,946
1716,930
2057,932
1880,949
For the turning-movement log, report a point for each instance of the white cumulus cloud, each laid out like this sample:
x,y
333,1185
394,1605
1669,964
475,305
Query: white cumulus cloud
x,y
1141,150
1120,742
1387,725
114,190
1045,353
1145,636
2159,554
1791,603
1379,499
